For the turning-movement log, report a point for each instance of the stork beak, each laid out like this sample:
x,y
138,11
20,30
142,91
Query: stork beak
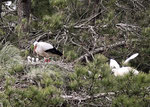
x,y
34,49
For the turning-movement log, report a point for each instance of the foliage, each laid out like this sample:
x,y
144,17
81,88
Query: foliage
x,y
10,59
129,89
54,21
88,31
48,84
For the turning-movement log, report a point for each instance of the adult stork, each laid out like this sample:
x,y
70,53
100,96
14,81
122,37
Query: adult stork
x,y
46,50
124,70
120,71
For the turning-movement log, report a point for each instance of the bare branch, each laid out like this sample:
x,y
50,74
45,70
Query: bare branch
x,y
101,49
83,98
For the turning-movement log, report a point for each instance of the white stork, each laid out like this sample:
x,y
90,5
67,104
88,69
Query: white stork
x,y
124,70
46,50
120,71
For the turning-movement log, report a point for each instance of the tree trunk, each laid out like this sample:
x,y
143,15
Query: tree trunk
x,y
24,10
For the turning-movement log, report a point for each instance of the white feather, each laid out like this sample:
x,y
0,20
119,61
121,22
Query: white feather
x,y
131,57
33,60
114,64
124,70
29,59
8,3
37,59
44,46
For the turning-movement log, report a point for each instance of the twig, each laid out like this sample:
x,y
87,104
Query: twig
x,y
101,49
66,66
83,98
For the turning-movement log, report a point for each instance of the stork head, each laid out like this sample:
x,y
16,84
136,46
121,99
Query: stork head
x,y
35,45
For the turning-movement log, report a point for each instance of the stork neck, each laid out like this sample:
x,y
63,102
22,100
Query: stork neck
x,y
35,48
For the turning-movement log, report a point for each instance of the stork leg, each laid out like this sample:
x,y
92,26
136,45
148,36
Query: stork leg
x,y
46,59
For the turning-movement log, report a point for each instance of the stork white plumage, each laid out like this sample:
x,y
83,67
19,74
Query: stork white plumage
x,y
131,57
32,60
124,70
46,50
114,64
8,3
37,59
120,71
29,59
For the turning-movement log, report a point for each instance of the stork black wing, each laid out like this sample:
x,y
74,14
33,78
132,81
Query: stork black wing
x,y
54,51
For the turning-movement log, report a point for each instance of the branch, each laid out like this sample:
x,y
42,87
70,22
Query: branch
x,y
61,64
101,49
83,98
87,20
127,27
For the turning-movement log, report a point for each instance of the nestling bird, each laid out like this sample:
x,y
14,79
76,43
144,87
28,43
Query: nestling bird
x,y
37,59
46,50
29,59
32,60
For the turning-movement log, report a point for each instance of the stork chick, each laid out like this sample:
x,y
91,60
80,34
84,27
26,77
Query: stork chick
x,y
29,59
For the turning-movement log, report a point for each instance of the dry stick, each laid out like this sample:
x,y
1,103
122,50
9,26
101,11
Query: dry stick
x,y
93,17
101,49
80,98
66,66
88,20
78,45
87,97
